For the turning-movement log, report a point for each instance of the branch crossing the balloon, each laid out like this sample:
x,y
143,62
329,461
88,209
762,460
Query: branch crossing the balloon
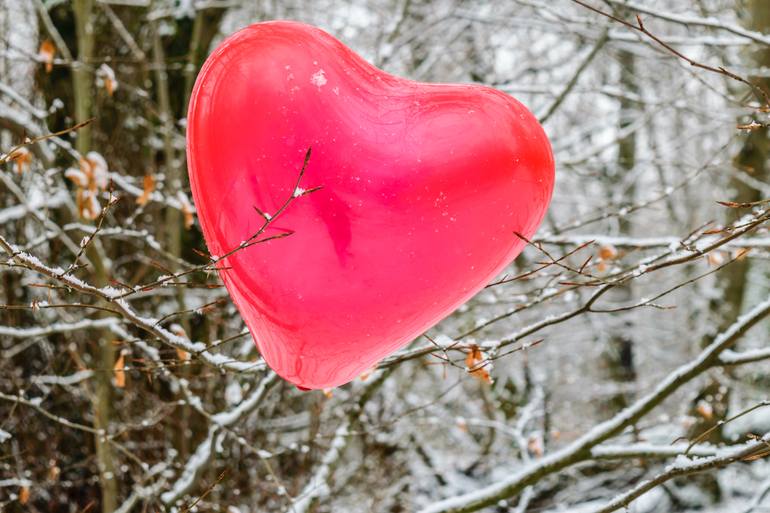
x,y
269,219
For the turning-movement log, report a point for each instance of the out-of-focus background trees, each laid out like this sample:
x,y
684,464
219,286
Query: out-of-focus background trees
x,y
621,361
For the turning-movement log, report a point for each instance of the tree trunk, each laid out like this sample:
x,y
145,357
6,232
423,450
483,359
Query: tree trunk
x,y
711,404
82,71
618,355
104,358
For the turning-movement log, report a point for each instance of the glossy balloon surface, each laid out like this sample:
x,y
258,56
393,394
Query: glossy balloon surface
x,y
423,189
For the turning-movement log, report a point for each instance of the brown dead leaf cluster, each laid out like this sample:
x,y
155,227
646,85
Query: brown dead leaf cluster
x,y
91,179
477,364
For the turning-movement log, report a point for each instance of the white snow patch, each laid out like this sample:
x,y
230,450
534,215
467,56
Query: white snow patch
x,y
318,79
233,393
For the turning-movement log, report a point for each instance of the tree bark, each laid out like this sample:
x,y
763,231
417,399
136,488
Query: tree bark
x,y
104,357
732,282
82,72
618,354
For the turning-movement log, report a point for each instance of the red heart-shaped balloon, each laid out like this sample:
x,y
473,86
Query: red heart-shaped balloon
x,y
423,189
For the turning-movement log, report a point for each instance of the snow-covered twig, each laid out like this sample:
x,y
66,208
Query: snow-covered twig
x,y
72,379
580,449
318,485
35,404
685,250
643,242
142,491
19,211
203,453
694,21
684,466
147,324
649,451
731,357
57,327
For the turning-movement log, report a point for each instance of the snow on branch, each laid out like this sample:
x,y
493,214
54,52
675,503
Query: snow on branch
x,y
19,211
318,485
644,242
684,466
113,296
203,453
694,21
580,449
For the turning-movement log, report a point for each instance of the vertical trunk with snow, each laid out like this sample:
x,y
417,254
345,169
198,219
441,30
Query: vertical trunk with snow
x,y
104,355
18,24
618,353
710,406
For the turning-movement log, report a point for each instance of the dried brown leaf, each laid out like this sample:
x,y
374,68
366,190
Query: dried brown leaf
x,y
149,187
750,126
119,371
740,254
24,495
475,363
46,53
187,209
535,445
22,157
705,410
608,252
109,85
182,354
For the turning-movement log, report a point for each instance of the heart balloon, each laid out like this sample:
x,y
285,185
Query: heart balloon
x,y
422,189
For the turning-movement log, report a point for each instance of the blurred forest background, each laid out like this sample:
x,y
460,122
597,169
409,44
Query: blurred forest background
x,y
621,363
